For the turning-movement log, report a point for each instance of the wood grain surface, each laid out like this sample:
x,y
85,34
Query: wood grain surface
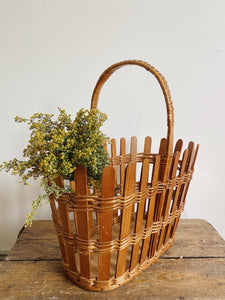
x,y
193,268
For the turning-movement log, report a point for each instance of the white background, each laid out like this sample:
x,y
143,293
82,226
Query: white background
x,y
52,53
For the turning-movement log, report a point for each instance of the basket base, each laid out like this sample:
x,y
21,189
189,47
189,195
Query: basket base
x,y
94,284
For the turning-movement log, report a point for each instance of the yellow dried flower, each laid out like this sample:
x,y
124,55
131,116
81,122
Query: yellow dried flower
x,y
55,148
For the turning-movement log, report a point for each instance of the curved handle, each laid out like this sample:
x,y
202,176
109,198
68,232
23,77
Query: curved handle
x,y
165,89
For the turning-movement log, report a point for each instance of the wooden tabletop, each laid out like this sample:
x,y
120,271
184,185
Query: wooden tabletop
x,y
193,268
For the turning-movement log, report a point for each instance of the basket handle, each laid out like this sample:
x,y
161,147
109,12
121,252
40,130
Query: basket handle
x,y
165,89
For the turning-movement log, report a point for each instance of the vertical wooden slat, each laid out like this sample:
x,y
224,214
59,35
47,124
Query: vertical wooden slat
x,y
162,146
90,213
160,197
55,217
113,155
162,150
151,208
147,145
123,165
192,154
73,187
141,205
140,214
54,210
113,148
64,216
91,220
177,192
59,181
190,168
66,226
106,221
133,148
82,215
122,171
126,217
133,152
168,197
178,146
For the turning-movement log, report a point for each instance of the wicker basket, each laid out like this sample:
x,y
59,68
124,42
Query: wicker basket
x,y
106,240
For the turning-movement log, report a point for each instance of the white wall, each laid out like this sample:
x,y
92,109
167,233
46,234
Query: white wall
x,y
52,52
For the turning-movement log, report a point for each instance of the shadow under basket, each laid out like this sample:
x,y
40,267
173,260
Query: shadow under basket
x,y
106,239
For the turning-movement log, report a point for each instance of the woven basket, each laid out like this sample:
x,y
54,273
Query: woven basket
x,y
106,240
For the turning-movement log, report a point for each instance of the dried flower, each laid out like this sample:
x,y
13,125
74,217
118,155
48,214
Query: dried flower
x,y
56,147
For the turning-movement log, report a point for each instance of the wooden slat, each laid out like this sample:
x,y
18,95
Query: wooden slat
x,y
162,146
66,226
73,186
59,181
55,217
147,145
54,209
126,217
177,192
113,154
133,152
80,175
194,160
159,198
123,165
192,154
122,172
141,205
168,197
178,146
106,222
140,213
151,208
191,168
162,151
64,217
113,148
133,148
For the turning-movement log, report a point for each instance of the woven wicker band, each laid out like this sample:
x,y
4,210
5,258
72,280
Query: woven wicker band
x,y
85,246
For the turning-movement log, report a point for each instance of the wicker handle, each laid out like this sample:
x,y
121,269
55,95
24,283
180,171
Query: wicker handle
x,y
164,86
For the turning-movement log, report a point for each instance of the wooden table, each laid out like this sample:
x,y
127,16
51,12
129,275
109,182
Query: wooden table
x,y
193,268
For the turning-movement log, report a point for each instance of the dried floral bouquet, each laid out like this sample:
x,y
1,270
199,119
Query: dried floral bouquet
x,y
56,147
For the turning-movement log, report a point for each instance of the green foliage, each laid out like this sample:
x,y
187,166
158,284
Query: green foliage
x,y
57,146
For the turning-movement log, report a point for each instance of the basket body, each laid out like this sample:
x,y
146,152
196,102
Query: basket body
x,y
106,239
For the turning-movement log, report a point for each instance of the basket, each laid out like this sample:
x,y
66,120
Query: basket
x,y
107,239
